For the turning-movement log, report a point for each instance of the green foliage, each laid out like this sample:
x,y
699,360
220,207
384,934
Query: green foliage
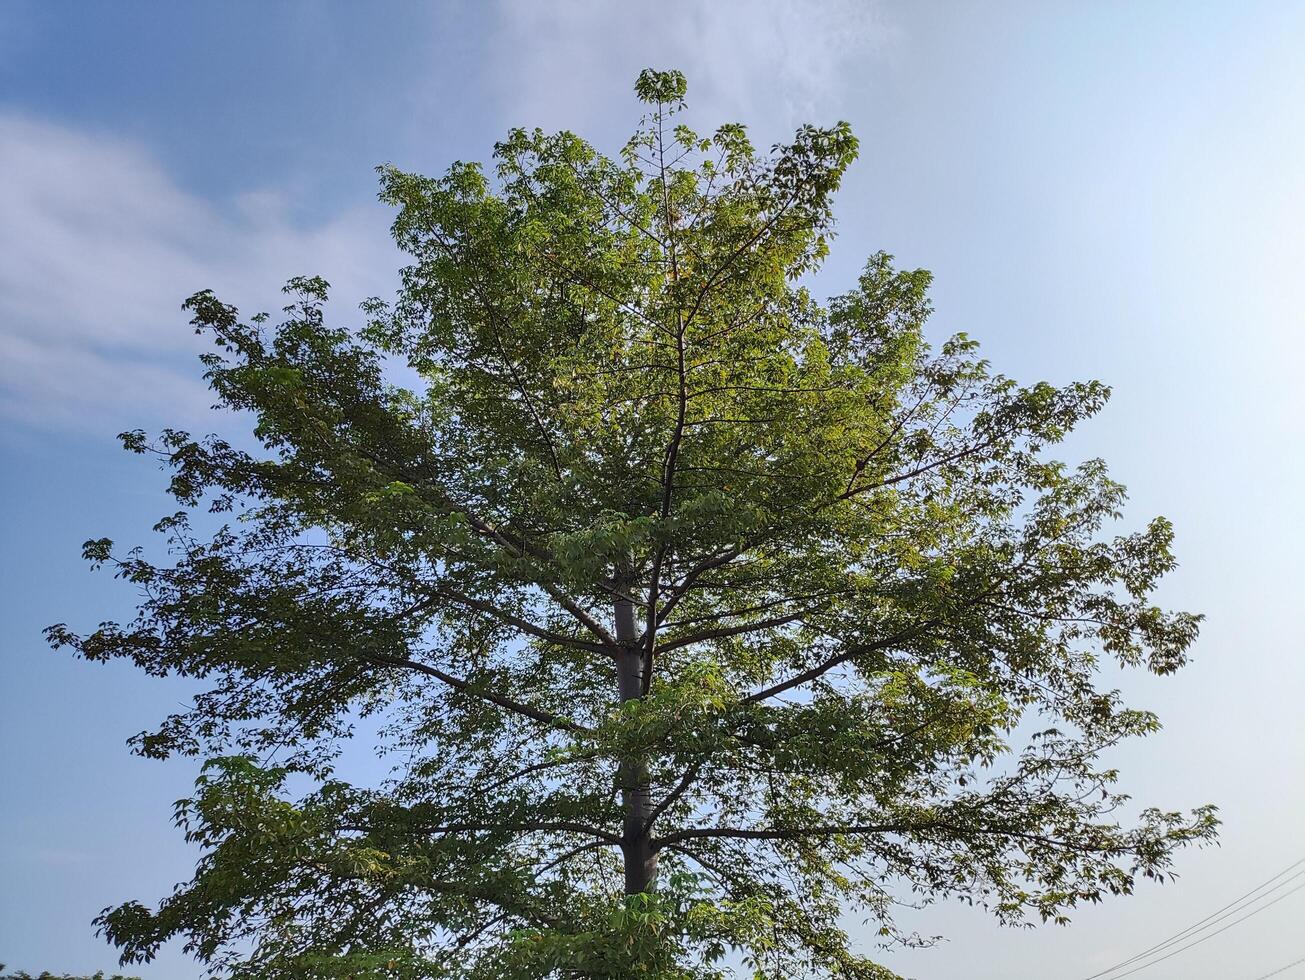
x,y
46,975
697,613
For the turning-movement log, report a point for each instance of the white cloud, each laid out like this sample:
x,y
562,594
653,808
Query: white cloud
x,y
560,65
99,246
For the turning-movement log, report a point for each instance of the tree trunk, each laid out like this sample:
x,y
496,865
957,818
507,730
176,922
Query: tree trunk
x,y
636,793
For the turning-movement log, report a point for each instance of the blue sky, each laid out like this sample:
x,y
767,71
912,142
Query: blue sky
x,y
1109,190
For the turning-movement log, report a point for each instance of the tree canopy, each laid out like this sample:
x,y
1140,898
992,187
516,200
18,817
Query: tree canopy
x,y
702,620
47,975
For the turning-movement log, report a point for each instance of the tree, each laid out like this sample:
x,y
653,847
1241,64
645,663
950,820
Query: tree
x,y
46,975
698,614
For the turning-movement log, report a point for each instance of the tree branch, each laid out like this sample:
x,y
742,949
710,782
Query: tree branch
x,y
525,625
727,631
823,668
466,687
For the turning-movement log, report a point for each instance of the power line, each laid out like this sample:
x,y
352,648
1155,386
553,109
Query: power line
x,y
1232,909
1196,926
1274,973
1215,916
1210,935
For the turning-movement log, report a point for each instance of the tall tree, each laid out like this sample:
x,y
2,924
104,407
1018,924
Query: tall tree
x,y
47,975
699,615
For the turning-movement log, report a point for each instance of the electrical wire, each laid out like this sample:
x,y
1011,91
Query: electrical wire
x,y
1210,935
1274,973
1216,916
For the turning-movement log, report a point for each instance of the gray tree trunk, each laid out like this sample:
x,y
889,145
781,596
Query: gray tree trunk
x,y
636,792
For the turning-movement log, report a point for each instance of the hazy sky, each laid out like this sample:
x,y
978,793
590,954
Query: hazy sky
x,y
1108,190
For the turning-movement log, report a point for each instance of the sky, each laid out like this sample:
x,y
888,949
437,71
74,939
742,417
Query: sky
x,y
1102,190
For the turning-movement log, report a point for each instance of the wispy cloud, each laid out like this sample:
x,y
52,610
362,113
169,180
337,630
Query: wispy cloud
x,y
100,243
559,64
98,247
